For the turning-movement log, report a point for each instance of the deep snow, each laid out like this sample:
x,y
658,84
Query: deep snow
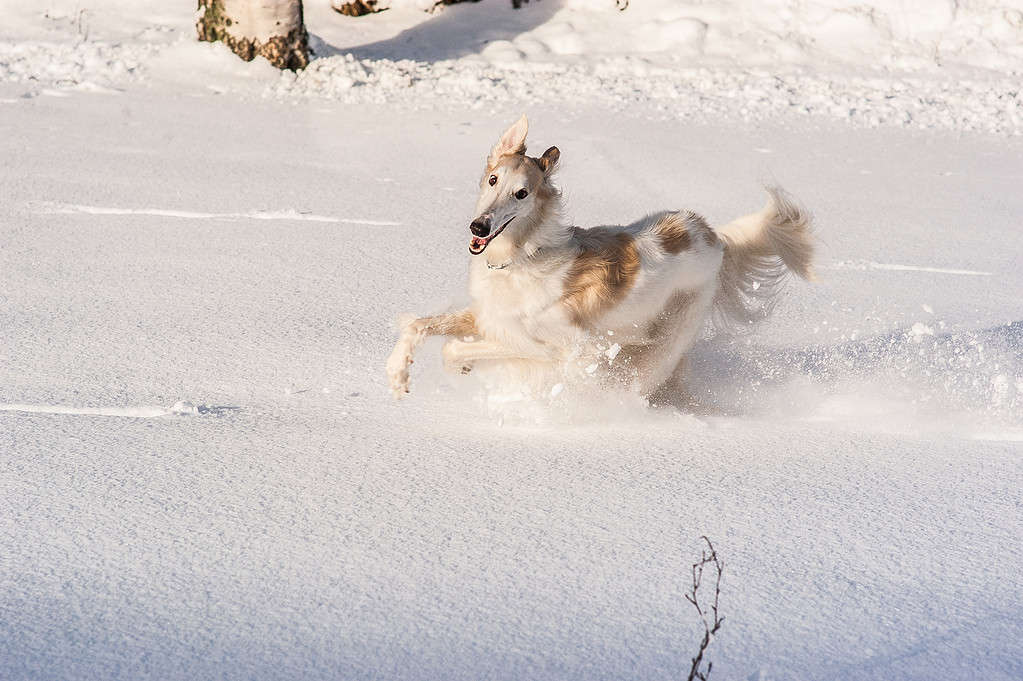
x,y
178,241
918,64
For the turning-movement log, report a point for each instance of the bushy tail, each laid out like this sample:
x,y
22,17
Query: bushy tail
x,y
760,251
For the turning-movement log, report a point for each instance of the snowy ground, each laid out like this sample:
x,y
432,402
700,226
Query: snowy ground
x,y
218,235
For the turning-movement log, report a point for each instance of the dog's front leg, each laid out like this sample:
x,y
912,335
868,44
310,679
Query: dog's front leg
x,y
461,355
413,333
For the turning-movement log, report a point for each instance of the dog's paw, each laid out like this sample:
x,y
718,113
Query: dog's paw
x,y
399,383
453,358
397,371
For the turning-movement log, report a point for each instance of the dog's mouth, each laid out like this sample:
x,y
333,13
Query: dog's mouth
x,y
478,244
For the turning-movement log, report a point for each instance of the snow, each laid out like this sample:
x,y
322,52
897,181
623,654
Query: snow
x,y
202,474
867,64
286,214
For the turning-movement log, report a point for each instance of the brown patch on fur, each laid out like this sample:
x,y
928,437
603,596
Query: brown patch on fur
x,y
676,231
673,233
495,163
709,235
513,159
462,323
601,275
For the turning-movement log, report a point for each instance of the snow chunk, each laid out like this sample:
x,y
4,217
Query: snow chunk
x,y
183,408
612,352
919,330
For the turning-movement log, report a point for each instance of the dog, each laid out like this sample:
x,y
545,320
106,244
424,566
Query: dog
x,y
547,296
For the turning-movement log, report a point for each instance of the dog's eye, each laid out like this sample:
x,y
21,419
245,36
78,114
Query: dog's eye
x,y
521,194
493,180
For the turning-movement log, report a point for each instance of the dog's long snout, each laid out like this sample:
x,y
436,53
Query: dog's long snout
x,y
480,226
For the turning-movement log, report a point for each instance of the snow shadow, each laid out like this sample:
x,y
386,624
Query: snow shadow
x,y
458,31
215,409
970,372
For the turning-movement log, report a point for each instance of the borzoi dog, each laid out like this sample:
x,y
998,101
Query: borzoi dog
x,y
547,296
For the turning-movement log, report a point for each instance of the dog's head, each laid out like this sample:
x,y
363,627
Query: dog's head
x,y
514,190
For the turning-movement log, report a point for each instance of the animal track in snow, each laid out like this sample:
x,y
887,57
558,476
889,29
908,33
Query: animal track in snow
x,y
869,265
286,214
181,408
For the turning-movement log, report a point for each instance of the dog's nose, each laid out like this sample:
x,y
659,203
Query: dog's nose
x,y
480,226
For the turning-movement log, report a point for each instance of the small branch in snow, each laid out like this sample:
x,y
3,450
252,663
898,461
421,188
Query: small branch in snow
x,y
709,616
83,33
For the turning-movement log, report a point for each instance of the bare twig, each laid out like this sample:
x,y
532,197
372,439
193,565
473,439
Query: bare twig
x,y
79,21
710,617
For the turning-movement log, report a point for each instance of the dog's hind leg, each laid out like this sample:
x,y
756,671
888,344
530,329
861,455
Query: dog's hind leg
x,y
676,391
678,328
413,333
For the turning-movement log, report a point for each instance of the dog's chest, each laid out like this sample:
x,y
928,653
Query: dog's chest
x,y
516,304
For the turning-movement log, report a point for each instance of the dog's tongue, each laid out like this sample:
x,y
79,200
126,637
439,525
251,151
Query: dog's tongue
x,y
476,245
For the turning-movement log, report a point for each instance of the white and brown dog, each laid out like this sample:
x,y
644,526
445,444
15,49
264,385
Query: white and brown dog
x,y
546,295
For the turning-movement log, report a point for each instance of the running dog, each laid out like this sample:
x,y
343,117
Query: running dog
x,y
546,295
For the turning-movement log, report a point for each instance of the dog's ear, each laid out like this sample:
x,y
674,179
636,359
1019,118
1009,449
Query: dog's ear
x,y
513,141
549,160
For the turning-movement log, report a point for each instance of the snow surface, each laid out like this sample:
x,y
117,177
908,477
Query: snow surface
x,y
912,63
202,474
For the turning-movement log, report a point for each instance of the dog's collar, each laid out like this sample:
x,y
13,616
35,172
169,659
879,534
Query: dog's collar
x,y
506,263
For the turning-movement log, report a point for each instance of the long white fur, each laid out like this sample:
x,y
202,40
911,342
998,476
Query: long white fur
x,y
520,321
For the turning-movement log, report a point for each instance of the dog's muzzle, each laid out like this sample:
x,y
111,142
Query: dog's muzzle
x,y
481,234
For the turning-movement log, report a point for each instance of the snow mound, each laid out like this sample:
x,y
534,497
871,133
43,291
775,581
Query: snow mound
x,y
912,34
86,65
698,93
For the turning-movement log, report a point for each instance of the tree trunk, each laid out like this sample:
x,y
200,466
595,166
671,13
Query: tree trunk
x,y
267,28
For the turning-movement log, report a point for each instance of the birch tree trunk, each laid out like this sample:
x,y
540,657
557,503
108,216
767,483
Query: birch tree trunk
x,y
267,28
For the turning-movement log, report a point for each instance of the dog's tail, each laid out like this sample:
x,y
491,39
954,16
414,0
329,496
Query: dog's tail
x,y
760,251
